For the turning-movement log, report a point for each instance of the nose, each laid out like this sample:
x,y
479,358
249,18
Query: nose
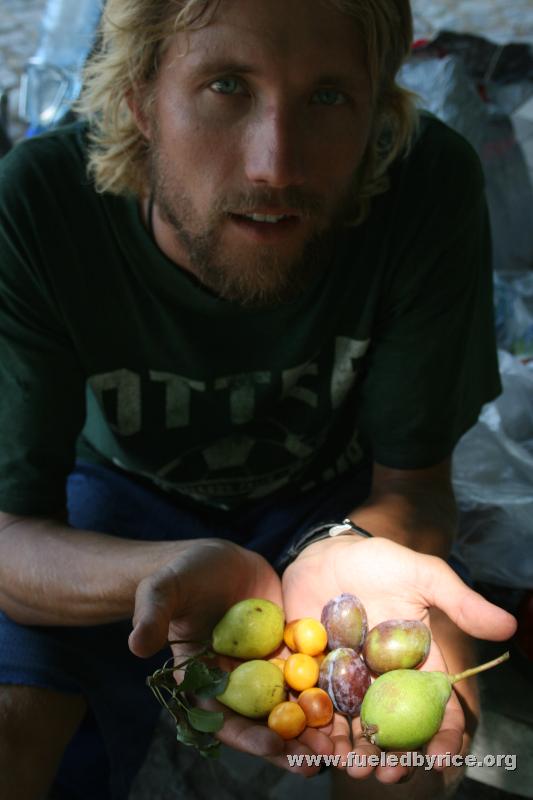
x,y
274,150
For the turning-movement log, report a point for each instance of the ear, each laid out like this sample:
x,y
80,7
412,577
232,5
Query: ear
x,y
136,106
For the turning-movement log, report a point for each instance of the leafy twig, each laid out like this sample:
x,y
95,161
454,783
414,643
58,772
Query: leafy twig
x,y
194,726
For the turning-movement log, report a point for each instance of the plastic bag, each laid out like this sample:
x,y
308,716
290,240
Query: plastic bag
x,y
493,483
513,305
448,90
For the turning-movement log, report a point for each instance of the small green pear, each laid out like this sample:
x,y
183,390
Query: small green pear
x,y
254,688
252,628
403,708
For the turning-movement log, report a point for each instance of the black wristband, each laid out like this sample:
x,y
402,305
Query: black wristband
x,y
323,531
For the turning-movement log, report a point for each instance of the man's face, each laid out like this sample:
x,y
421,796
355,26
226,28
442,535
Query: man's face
x,y
259,123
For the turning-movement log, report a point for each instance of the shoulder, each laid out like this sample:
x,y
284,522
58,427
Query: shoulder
x,y
441,162
45,194
47,162
436,191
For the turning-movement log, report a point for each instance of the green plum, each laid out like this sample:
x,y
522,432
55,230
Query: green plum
x,y
396,644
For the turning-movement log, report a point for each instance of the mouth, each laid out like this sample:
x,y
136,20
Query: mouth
x,y
267,225
270,218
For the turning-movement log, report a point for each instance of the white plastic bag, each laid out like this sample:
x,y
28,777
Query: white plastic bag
x,y
448,91
513,302
493,482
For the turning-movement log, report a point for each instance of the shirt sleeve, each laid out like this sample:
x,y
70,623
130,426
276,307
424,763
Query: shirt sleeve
x,y
433,359
42,386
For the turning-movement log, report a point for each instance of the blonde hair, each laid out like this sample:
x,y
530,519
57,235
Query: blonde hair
x,y
133,37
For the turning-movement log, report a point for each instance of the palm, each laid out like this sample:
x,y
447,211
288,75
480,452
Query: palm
x,y
185,599
388,581
222,574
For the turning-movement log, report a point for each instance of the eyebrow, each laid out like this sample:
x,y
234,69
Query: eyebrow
x,y
228,66
218,65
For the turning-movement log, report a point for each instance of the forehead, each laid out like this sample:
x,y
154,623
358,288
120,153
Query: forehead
x,y
296,35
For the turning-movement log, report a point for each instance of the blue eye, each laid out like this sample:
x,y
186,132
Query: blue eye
x,y
329,97
226,86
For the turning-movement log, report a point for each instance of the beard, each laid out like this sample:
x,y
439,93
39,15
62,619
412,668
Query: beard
x,y
264,275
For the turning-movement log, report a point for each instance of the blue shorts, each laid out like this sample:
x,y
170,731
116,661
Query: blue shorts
x,y
108,750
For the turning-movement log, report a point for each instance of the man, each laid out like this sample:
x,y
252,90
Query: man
x,y
260,311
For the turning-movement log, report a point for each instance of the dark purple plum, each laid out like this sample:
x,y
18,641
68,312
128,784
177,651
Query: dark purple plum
x,y
345,677
344,618
397,644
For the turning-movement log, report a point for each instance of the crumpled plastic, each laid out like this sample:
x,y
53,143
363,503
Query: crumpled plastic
x,y
447,88
493,483
513,305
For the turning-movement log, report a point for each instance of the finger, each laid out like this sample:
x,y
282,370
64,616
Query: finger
x,y
308,749
156,600
294,759
391,768
369,758
256,738
244,734
341,738
449,738
317,741
469,610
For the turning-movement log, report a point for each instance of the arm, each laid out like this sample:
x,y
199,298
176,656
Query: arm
x,y
51,574
414,507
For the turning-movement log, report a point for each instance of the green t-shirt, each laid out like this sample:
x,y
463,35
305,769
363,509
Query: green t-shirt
x,y
110,351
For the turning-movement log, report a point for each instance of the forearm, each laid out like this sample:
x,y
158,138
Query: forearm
x,y
421,514
51,574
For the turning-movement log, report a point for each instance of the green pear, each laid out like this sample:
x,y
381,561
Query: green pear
x,y
254,688
403,708
252,628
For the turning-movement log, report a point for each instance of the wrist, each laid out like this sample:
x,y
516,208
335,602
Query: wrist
x,y
323,532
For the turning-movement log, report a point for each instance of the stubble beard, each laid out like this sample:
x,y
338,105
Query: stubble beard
x,y
267,277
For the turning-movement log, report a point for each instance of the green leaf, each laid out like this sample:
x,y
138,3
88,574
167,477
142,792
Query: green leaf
x,y
219,680
184,733
196,677
203,680
211,749
194,726
205,721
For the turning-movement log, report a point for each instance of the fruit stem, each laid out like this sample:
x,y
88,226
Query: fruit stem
x,y
482,667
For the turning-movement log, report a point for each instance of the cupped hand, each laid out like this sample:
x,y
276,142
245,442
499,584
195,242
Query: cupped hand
x,y
393,582
184,600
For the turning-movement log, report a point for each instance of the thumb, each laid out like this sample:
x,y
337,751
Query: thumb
x,y
467,608
156,603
